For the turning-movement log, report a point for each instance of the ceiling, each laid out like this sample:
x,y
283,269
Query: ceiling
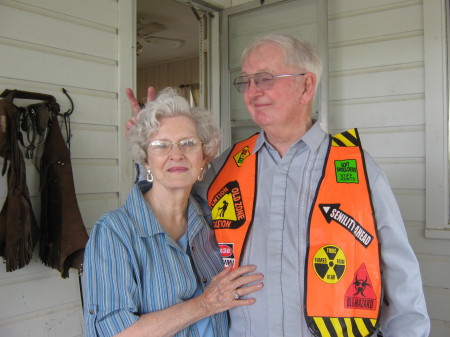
x,y
179,23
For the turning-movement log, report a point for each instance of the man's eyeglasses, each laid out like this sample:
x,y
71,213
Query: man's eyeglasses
x,y
164,146
263,81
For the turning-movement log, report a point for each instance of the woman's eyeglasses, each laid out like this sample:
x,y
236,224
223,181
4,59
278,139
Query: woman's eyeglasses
x,y
164,146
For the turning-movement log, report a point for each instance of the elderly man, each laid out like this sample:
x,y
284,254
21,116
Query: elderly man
x,y
313,212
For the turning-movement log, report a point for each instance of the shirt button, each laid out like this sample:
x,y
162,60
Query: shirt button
x,y
204,280
91,312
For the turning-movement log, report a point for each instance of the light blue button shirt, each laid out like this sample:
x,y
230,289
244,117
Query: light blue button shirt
x,y
204,326
132,267
277,244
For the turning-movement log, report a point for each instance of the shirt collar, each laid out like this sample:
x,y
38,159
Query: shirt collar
x,y
144,219
140,212
312,138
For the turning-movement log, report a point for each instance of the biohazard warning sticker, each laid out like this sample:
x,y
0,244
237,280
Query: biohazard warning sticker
x,y
360,294
227,253
329,263
346,171
227,207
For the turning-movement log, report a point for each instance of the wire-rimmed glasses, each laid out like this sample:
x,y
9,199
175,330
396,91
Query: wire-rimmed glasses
x,y
164,146
263,81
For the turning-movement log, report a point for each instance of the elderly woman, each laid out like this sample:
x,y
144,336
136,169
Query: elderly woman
x,y
152,267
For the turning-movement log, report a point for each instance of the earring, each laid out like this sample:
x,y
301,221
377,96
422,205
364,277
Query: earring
x,y
202,173
149,176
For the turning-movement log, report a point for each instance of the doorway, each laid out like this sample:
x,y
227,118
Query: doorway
x,y
168,44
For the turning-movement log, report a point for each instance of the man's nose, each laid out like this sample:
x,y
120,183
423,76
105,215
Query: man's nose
x,y
253,87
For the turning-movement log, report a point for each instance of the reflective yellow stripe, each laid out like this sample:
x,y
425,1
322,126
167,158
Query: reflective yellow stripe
x,y
361,327
348,323
352,132
337,326
348,328
343,138
322,327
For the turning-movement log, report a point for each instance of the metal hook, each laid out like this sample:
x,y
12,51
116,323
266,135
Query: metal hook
x,y
72,107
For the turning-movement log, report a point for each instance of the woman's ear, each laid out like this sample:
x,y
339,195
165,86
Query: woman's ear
x,y
147,166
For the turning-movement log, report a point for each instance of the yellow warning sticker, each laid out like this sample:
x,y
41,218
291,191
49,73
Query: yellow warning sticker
x,y
227,207
241,155
330,263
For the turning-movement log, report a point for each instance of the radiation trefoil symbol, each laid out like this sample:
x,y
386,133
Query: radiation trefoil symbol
x,y
330,263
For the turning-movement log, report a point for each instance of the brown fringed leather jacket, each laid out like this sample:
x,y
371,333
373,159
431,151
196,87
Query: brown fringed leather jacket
x,y
63,235
18,229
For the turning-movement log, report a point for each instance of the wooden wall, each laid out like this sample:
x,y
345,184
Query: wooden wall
x,y
377,83
172,73
377,71
85,47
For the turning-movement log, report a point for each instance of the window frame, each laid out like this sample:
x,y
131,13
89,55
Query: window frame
x,y
436,119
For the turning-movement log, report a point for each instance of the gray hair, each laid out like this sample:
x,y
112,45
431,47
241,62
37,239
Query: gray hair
x,y
297,53
169,103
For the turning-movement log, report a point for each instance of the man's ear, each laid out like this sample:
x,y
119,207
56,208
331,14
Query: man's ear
x,y
310,88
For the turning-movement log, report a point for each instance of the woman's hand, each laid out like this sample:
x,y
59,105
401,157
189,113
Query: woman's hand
x,y
229,286
219,295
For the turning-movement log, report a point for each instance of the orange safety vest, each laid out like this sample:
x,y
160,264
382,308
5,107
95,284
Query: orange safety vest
x,y
343,278
231,199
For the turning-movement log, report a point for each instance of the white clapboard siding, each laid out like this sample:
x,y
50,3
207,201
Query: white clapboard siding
x,y
40,29
47,45
92,107
377,84
57,67
296,17
438,305
386,81
376,61
422,245
435,271
291,17
396,142
378,112
102,12
92,206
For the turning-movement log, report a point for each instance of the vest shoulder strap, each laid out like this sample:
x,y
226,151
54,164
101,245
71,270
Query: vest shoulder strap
x,y
343,278
231,199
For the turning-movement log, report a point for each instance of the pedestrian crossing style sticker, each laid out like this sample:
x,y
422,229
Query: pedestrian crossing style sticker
x,y
227,207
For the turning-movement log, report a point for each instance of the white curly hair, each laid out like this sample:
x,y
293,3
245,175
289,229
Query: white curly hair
x,y
169,103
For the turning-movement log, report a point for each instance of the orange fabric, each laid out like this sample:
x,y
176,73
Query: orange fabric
x,y
343,278
343,267
231,199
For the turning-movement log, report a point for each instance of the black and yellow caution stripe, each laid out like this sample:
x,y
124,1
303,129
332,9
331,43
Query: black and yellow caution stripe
x,y
344,327
346,138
